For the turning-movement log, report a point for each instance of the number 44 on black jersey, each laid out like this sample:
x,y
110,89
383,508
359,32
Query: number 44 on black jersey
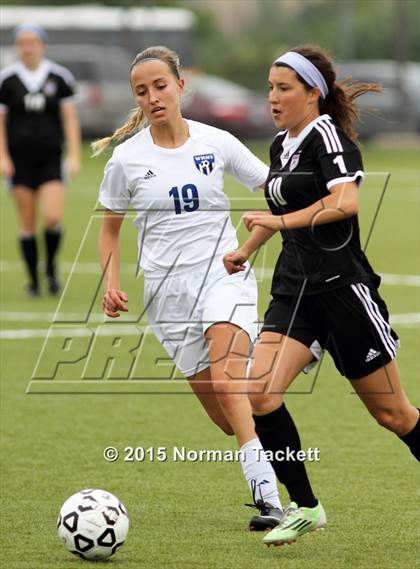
x,y
32,101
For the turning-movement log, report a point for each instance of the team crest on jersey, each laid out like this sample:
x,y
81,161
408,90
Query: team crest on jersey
x,y
294,161
204,163
50,88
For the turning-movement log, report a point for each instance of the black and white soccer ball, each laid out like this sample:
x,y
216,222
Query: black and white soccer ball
x,y
93,524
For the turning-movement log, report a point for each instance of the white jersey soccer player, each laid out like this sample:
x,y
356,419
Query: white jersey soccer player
x,y
172,174
184,228
178,195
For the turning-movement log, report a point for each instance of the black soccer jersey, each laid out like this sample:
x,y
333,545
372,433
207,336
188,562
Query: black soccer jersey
x,y
322,257
32,101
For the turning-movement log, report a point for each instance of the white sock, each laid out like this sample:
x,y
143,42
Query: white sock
x,y
259,473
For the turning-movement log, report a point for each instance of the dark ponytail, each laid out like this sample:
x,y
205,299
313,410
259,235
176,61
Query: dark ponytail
x,y
340,103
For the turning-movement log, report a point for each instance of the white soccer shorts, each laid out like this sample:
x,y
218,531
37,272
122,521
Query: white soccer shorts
x,y
181,307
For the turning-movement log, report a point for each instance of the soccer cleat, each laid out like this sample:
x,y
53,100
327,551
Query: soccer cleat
x,y
53,285
295,523
52,281
268,518
32,290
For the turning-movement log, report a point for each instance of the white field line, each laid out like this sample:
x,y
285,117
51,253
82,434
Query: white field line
x,y
398,280
89,268
52,317
407,320
92,268
121,330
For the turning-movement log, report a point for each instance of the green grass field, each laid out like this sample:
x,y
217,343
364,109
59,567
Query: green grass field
x,y
191,515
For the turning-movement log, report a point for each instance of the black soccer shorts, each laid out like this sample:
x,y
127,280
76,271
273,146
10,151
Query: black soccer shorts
x,y
32,169
351,323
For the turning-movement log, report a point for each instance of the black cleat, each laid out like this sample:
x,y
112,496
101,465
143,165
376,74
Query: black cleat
x,y
268,518
53,285
52,281
32,290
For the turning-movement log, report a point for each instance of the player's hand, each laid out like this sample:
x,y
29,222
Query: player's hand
x,y
234,261
7,168
72,166
263,219
114,302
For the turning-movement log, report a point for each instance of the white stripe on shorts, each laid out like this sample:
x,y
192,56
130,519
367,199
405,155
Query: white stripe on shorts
x,y
384,324
381,325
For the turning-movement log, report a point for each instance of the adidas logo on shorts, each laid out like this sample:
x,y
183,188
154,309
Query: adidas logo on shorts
x,y
149,175
372,354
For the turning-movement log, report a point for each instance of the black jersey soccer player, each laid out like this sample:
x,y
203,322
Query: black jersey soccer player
x,y
36,107
324,291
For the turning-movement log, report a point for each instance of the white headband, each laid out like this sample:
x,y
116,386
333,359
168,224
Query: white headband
x,y
305,69
37,30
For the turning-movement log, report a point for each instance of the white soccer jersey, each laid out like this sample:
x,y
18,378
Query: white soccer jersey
x,y
178,194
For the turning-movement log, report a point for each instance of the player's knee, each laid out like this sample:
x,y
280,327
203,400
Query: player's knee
x,y
258,403
264,403
52,221
27,228
227,396
394,420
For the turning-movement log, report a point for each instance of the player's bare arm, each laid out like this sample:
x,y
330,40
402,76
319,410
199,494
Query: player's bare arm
x,y
71,127
6,163
343,202
234,261
114,299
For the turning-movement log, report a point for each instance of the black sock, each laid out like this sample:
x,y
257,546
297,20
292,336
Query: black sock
x,y
412,440
277,432
52,242
30,254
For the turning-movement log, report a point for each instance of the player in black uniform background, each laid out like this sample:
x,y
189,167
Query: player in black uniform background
x,y
324,291
36,109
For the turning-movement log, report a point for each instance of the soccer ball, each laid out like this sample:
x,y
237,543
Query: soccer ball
x,y
92,524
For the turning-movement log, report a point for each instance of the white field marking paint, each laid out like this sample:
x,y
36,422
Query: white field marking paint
x,y
407,320
67,318
405,280
91,268
121,330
